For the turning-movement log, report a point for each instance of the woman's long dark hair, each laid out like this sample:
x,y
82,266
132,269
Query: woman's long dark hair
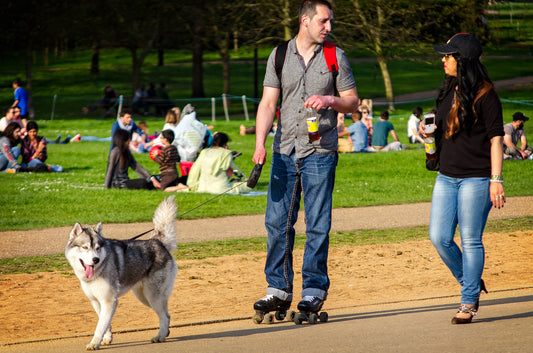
x,y
8,132
472,82
119,140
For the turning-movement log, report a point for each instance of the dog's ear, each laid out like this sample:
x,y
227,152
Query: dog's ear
x,y
76,230
98,228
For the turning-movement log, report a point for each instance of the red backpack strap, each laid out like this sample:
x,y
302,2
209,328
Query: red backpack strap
x,y
331,61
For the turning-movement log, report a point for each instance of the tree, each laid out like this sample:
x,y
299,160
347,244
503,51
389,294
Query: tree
x,y
381,25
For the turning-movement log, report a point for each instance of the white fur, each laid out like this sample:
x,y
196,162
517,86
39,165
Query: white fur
x,y
104,287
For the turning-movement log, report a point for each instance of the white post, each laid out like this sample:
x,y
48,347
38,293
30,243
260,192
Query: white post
x,y
213,109
245,108
225,103
53,107
119,105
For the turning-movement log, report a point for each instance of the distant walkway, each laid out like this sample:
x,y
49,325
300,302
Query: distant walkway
x,y
38,242
419,96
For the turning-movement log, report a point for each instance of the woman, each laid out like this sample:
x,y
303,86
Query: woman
x,y
120,160
469,146
171,121
9,151
213,168
34,152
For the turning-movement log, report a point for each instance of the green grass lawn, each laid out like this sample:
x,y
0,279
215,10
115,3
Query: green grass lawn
x,y
36,200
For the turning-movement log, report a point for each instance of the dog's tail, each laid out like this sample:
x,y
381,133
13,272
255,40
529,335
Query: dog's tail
x,y
165,223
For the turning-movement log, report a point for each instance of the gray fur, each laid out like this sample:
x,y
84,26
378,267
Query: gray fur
x,y
108,269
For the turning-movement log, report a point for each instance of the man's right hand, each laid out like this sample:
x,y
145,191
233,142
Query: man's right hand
x,y
259,156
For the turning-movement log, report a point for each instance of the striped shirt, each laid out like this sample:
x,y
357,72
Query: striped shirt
x,y
167,159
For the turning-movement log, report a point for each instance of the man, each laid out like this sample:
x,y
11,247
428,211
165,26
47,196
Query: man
x,y
514,132
125,122
298,165
412,126
8,118
21,100
381,133
358,133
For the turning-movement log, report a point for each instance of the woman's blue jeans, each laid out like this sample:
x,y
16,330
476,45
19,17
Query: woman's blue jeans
x,y
465,202
314,176
4,162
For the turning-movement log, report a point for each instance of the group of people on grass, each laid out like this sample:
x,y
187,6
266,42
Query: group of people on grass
x,y
208,161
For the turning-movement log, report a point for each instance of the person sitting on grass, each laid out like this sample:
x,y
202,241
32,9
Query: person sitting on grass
x,y
167,160
120,160
9,151
34,151
381,132
212,170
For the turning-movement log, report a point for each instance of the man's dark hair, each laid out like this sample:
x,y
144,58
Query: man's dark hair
x,y
308,7
124,112
168,135
357,115
17,81
417,111
384,115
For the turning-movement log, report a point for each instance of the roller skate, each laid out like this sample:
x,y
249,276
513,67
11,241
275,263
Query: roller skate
x,y
309,309
272,303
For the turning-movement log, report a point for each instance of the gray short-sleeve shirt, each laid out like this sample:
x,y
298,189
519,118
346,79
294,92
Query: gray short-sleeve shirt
x,y
299,83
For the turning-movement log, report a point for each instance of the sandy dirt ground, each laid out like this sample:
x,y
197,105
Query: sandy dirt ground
x,y
52,305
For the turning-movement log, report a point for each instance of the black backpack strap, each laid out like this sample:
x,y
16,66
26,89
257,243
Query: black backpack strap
x,y
281,53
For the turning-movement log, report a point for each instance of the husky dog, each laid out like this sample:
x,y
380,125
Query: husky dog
x,y
108,269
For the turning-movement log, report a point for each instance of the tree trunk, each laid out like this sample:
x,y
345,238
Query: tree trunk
x,y
197,67
160,57
224,54
387,81
95,59
29,82
136,65
46,56
287,20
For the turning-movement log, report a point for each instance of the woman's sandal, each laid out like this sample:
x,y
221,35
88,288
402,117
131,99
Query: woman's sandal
x,y
465,309
472,310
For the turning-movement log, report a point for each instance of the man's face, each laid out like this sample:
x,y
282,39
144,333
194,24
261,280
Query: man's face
x,y
16,112
319,25
9,114
126,119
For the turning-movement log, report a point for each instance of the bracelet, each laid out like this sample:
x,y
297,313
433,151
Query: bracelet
x,y
497,181
497,178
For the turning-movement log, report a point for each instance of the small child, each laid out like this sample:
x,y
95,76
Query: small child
x,y
167,160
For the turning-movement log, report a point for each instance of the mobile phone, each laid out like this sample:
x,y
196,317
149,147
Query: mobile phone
x,y
429,123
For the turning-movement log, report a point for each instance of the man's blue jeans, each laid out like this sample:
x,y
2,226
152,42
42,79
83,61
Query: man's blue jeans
x,y
314,176
465,202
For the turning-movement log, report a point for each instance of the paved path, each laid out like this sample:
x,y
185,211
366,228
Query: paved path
x,y
503,325
52,240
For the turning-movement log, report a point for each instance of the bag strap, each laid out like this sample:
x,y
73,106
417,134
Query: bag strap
x,y
281,53
331,61
329,54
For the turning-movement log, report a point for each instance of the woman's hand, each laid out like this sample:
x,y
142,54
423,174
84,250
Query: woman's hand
x,y
497,194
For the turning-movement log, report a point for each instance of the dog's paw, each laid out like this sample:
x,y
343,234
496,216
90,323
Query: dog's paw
x,y
92,347
108,338
158,339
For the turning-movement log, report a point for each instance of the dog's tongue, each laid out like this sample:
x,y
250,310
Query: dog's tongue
x,y
89,271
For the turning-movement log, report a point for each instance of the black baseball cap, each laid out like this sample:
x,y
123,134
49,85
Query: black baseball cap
x,y
465,44
520,116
